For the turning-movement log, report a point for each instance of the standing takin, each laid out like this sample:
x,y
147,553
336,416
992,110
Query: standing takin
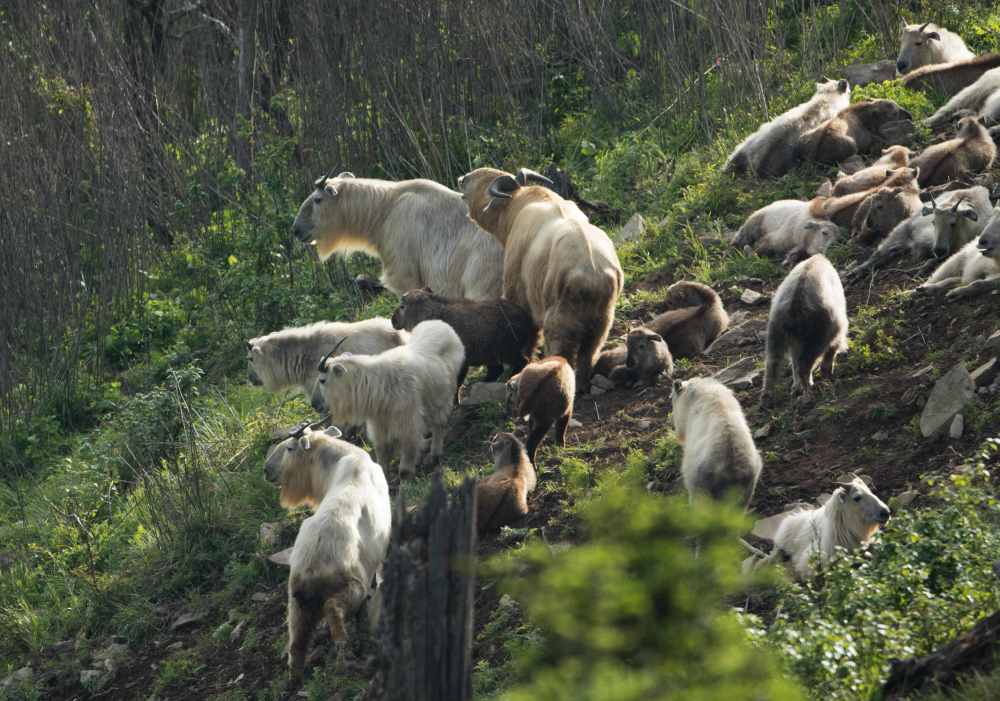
x,y
502,496
719,453
418,228
807,322
772,150
494,334
558,265
339,550
544,390
400,395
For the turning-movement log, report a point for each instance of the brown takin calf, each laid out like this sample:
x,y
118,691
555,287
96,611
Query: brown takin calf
x,y
887,207
951,78
972,151
502,497
854,130
544,390
494,333
641,361
558,265
875,174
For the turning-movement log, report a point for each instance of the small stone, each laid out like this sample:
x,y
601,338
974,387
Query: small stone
x,y
485,392
283,558
762,432
260,597
111,657
752,297
92,679
863,73
922,372
175,647
269,534
602,382
950,394
880,436
992,344
644,424
738,317
186,620
984,375
746,333
740,375
957,427
633,229
573,423
237,632
597,391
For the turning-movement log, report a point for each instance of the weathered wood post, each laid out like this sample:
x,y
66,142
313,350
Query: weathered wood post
x,y
427,602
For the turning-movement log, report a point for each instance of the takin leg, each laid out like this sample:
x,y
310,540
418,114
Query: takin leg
x,y
536,431
302,618
561,427
940,285
976,287
775,354
829,361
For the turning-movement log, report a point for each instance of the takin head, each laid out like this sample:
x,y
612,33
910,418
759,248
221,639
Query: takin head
x,y
863,512
919,45
817,235
953,227
487,191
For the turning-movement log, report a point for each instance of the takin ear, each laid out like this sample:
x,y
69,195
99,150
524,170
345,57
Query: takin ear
x,y
333,432
933,35
889,172
338,369
503,187
331,190
970,214
656,338
843,86
304,441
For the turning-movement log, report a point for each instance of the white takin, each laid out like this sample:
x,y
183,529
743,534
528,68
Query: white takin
x,y
337,558
400,395
975,269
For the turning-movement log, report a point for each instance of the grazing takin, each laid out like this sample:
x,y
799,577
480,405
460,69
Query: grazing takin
x,y
772,149
874,175
807,322
719,453
290,357
972,151
848,519
647,356
928,44
400,395
975,269
418,228
981,99
855,129
558,265
544,391
339,550
880,213
494,333
502,496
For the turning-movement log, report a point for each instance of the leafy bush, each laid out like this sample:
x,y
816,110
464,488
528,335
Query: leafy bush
x,y
631,613
927,579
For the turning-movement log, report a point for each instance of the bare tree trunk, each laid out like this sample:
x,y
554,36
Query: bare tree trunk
x,y
245,69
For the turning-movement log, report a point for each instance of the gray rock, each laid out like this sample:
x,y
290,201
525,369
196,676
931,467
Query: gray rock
x,y
597,391
880,436
985,374
864,73
260,597
748,332
950,395
485,392
738,317
850,166
20,676
898,132
573,423
93,679
762,432
957,427
740,375
186,620
644,424
283,558
922,372
633,229
269,534
602,382
111,657
752,298
992,344
175,647
903,499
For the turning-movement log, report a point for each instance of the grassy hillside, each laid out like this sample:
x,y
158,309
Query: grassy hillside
x,y
130,511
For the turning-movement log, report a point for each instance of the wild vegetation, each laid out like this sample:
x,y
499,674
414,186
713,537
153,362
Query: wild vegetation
x,y
155,155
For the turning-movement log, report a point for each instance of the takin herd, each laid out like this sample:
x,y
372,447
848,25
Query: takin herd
x,y
488,273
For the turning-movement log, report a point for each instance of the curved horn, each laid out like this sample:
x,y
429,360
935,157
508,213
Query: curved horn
x,y
955,208
526,176
346,174
327,356
503,186
301,428
923,27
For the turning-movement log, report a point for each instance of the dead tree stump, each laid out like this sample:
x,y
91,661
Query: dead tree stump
x,y
427,600
973,651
